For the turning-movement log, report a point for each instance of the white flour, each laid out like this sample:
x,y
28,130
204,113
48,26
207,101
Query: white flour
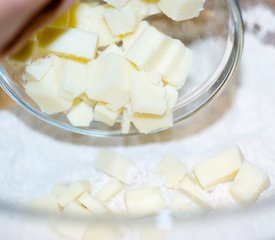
x,y
34,156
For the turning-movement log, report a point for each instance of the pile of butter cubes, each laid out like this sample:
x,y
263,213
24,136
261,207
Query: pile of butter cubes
x,y
187,189
104,62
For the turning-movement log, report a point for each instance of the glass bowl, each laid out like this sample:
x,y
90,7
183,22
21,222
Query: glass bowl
x,y
216,37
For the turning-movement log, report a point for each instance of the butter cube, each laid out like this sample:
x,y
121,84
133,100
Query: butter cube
x,y
145,96
181,204
194,192
219,169
113,48
176,63
81,115
105,115
117,3
144,201
153,44
172,96
73,43
94,206
110,190
72,193
113,164
108,80
172,170
122,21
180,10
47,92
249,183
74,82
72,229
131,38
37,70
126,120
161,53
147,123
89,17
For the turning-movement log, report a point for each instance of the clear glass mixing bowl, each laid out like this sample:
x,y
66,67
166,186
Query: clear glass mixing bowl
x,y
218,28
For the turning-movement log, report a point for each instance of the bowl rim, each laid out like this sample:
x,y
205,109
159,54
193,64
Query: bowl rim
x,y
192,104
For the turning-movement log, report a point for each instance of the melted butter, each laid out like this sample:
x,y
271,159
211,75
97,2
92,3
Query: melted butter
x,y
62,22
73,16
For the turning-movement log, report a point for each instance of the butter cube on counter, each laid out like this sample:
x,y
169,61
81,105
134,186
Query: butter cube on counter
x,y
89,17
117,3
194,192
72,193
105,115
172,170
109,80
219,169
180,10
81,115
98,209
69,42
144,201
146,123
72,229
147,97
182,204
110,190
113,164
249,183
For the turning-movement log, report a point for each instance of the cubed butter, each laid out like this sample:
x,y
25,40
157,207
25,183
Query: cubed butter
x,y
98,209
38,69
122,21
69,229
163,54
74,79
172,96
144,201
249,183
172,170
219,169
47,92
147,97
73,192
194,192
147,123
89,17
109,80
73,43
180,10
110,190
181,204
113,48
105,115
81,115
113,164
126,120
